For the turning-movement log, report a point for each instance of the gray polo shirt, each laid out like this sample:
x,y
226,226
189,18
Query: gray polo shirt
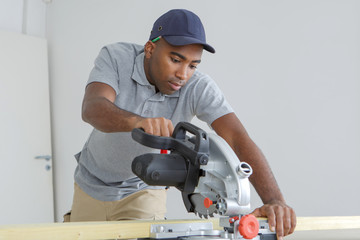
x,y
104,164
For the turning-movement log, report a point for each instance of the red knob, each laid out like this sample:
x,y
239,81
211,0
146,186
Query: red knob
x,y
163,151
249,226
207,202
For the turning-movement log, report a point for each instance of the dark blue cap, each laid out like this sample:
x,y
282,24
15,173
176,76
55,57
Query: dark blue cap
x,y
180,27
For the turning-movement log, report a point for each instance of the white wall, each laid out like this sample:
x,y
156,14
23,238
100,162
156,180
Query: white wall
x,y
290,69
23,16
11,15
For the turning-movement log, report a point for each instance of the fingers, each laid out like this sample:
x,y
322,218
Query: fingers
x,y
268,212
271,219
157,126
293,221
287,222
281,218
279,213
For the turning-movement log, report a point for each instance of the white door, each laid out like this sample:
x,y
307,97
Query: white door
x,y
26,187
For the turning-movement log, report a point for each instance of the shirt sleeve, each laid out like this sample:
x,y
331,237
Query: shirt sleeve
x,y
210,103
105,70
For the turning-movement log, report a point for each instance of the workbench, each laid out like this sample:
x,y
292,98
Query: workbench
x,y
307,228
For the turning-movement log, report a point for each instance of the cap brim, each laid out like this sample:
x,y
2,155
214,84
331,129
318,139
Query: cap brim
x,y
183,40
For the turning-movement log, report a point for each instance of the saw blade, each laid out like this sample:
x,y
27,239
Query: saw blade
x,y
197,201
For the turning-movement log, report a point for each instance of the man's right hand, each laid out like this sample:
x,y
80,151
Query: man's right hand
x,y
156,126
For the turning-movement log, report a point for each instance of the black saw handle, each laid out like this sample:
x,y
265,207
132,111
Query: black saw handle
x,y
195,149
201,138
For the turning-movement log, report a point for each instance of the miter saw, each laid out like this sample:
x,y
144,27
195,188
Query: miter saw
x,y
211,179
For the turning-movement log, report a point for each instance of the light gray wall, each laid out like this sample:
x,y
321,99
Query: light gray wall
x,y
23,16
290,69
11,15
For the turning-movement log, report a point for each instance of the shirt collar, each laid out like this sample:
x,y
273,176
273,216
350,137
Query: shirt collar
x,y
139,76
139,73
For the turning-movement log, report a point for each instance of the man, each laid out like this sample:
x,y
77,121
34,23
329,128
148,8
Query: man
x,y
154,87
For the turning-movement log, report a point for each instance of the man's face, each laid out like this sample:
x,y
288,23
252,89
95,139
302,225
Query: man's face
x,y
169,67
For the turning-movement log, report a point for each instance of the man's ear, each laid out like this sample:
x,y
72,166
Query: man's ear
x,y
149,49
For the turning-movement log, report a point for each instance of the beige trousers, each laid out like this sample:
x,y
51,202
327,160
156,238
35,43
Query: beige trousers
x,y
148,204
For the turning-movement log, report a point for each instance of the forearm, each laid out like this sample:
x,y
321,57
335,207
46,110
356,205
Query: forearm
x,y
262,178
107,117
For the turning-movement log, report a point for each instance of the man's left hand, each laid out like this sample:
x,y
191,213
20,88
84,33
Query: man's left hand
x,y
281,217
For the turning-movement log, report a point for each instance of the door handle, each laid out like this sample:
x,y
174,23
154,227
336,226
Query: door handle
x,y
45,157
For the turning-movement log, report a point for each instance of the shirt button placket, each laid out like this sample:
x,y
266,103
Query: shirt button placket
x,y
147,110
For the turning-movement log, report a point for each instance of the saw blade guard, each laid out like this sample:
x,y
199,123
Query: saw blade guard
x,y
226,181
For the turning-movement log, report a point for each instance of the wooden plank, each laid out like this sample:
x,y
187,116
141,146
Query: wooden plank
x,y
335,234
140,229
327,223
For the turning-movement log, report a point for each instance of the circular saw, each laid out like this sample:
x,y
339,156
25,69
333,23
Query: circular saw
x,y
201,165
